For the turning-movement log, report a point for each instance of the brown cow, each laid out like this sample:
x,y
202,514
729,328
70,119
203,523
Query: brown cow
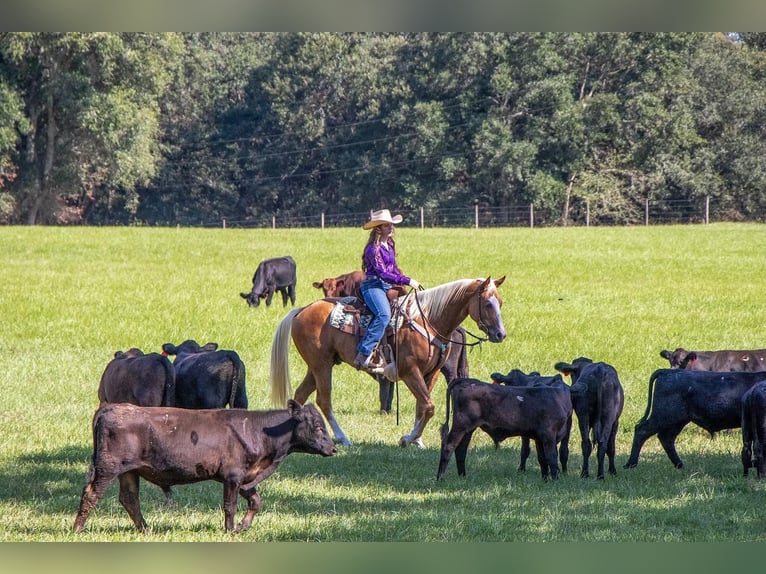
x,y
341,286
168,446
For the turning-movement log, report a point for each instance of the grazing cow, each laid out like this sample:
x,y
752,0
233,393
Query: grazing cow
x,y
538,412
341,286
754,429
277,274
207,378
678,397
597,398
719,361
133,377
517,378
168,446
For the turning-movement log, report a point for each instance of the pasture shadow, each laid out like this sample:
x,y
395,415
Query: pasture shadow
x,y
49,479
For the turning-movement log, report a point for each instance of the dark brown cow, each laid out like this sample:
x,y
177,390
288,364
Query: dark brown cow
x,y
538,412
754,430
517,378
207,378
720,361
133,377
598,399
341,286
168,446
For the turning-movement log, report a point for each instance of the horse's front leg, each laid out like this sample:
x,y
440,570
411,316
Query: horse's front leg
x,y
321,381
424,409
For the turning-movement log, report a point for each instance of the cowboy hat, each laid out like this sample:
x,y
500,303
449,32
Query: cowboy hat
x,y
380,217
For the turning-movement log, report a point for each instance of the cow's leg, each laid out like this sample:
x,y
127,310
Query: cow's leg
x,y
548,455
461,451
746,454
385,393
586,445
642,431
291,293
564,447
541,460
130,500
611,448
760,458
525,452
668,441
253,498
283,292
269,295
97,484
454,438
231,487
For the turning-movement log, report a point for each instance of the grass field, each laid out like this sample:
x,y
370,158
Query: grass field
x,y
71,297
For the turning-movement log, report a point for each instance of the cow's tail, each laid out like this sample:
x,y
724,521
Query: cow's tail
x,y
462,363
279,375
650,398
169,389
445,426
238,396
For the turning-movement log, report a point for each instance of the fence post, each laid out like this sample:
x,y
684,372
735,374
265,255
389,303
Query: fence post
x,y
646,211
476,215
587,213
531,215
224,223
422,219
273,221
323,220
707,209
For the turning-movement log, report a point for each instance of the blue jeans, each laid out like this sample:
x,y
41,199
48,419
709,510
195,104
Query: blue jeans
x,y
374,293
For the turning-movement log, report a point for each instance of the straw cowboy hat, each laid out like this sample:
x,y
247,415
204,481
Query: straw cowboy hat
x,y
380,217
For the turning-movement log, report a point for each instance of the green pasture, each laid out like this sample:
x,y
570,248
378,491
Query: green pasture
x,y
71,297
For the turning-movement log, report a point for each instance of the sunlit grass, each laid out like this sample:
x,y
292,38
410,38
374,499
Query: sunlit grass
x,y
71,297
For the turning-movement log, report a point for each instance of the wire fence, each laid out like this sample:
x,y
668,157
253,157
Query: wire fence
x,y
665,212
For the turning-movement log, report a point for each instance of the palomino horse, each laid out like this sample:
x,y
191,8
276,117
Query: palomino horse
x,y
420,345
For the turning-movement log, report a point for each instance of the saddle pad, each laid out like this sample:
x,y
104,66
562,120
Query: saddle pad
x,y
344,320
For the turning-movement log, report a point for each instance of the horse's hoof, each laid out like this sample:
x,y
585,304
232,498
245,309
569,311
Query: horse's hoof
x,y
403,442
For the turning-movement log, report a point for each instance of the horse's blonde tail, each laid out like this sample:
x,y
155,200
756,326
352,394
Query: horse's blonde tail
x,y
280,370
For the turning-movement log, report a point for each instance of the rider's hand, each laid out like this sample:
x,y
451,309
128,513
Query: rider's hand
x,y
415,285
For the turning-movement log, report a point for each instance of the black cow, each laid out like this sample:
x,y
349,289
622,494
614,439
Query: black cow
x,y
517,378
133,377
207,378
538,412
678,397
277,274
169,446
597,398
754,429
719,361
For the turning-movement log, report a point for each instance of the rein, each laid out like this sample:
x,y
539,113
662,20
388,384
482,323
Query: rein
x,y
480,322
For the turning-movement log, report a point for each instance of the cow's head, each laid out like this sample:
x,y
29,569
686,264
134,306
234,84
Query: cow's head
x,y
515,377
679,358
573,369
309,432
329,286
252,299
189,346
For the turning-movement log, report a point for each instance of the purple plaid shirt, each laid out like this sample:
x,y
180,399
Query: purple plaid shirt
x,y
380,261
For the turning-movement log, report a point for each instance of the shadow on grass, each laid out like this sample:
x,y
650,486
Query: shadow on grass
x,y
375,491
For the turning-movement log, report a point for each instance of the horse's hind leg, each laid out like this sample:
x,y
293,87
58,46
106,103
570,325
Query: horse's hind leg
x,y
322,386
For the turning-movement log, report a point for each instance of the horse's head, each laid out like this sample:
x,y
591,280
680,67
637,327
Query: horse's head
x,y
485,308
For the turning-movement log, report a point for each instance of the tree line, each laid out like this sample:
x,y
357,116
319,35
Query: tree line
x,y
188,128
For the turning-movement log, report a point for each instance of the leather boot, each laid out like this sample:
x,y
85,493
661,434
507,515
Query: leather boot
x,y
361,361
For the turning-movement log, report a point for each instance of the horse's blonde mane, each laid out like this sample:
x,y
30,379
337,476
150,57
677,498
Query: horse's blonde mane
x,y
433,301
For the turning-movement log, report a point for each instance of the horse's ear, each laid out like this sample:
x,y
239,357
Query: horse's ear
x,y
499,282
